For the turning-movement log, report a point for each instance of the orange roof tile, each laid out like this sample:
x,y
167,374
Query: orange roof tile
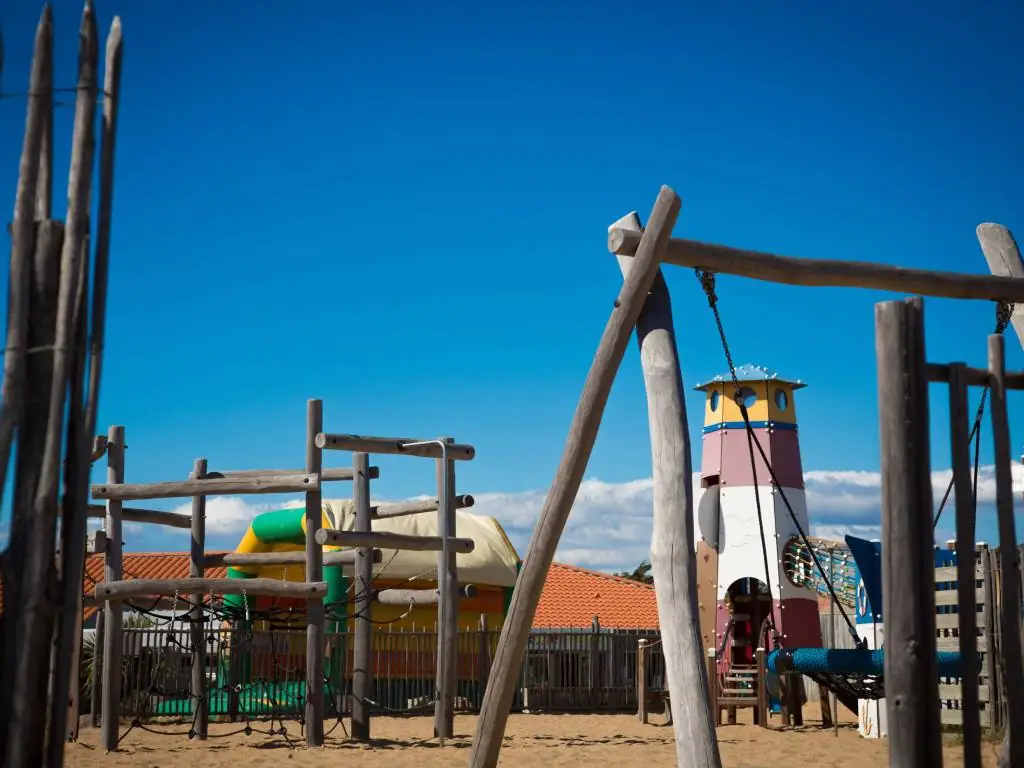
x,y
571,597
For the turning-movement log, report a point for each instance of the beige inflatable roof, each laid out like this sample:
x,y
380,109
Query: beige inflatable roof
x,y
492,561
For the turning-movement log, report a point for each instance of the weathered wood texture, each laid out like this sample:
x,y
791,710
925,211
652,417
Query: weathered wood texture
x,y
314,571
362,682
331,474
448,600
385,540
260,559
208,487
403,597
959,435
397,446
1009,559
908,561
673,554
976,377
197,628
824,272
416,506
113,591
1003,257
150,516
558,503
112,574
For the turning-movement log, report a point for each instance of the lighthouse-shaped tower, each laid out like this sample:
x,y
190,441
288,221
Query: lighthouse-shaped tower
x,y
735,591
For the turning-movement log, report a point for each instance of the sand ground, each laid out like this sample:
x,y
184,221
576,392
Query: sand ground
x,y
530,741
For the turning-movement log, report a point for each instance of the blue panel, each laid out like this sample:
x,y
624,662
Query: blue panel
x,y
868,557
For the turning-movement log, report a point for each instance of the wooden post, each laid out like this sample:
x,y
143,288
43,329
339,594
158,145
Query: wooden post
x,y
959,437
762,687
198,625
558,503
711,664
1009,557
673,549
315,611
448,601
483,657
908,566
95,698
112,571
594,665
361,671
641,679
833,714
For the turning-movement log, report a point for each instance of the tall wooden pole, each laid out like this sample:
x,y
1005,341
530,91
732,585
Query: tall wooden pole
x,y
579,445
315,613
448,601
197,553
361,670
113,568
673,556
908,565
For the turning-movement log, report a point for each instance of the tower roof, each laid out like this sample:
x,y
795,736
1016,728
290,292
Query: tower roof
x,y
750,372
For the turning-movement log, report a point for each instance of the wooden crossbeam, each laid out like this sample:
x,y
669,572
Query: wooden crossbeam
x,y
396,446
789,270
124,590
416,506
152,516
298,557
391,541
977,377
406,597
213,486
326,475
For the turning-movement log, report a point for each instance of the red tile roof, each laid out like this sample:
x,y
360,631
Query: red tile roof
x,y
572,596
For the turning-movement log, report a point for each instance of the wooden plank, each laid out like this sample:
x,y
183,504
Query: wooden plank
x,y
151,516
953,644
949,573
908,570
967,596
298,557
362,671
207,487
384,540
1003,256
397,446
97,544
1009,563
952,596
416,506
977,377
448,601
673,560
316,618
112,574
410,597
788,270
113,591
197,628
956,717
508,659
331,474
954,692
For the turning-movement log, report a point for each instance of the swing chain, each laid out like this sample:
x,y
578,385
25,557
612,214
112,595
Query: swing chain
x,y
1004,312
707,282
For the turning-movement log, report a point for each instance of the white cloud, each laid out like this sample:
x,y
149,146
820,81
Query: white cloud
x,y
610,525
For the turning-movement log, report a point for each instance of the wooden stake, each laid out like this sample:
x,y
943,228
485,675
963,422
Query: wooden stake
x,y
582,435
448,601
361,672
1009,557
908,567
197,627
673,550
959,438
315,613
112,573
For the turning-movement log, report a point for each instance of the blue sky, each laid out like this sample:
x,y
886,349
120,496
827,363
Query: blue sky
x,y
401,208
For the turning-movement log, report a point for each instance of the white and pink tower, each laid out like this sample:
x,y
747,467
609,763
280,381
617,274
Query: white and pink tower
x,y
735,591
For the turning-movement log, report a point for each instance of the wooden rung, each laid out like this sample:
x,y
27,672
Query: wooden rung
x,y
123,590
398,446
298,557
214,486
978,377
391,541
825,272
405,597
152,516
326,475
415,506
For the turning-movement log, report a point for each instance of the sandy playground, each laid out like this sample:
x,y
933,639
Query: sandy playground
x,y
530,740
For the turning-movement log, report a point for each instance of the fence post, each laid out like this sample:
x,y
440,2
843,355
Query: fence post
x,y
361,672
483,662
197,636
641,679
112,571
594,665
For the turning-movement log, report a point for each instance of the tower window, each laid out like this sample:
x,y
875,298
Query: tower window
x,y
713,400
781,400
747,396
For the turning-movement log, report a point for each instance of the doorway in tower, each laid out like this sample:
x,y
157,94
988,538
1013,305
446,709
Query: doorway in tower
x,y
749,605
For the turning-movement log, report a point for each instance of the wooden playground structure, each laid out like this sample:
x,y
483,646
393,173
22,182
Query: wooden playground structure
x,y
52,373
